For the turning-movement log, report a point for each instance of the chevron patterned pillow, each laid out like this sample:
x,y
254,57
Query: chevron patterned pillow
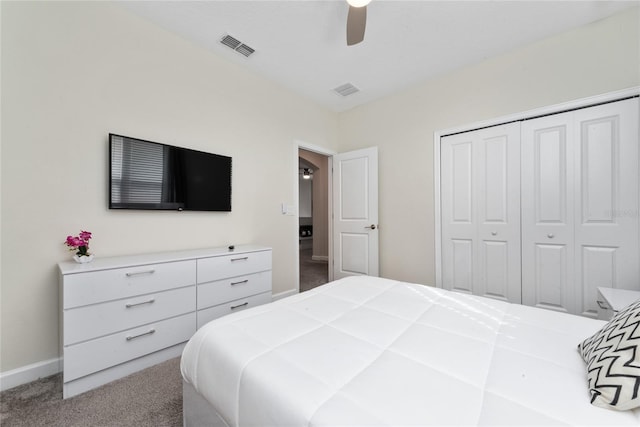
x,y
613,361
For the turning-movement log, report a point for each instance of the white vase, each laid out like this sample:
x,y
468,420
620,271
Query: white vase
x,y
83,259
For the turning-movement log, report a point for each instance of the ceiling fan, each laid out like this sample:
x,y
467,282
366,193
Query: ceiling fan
x,y
356,21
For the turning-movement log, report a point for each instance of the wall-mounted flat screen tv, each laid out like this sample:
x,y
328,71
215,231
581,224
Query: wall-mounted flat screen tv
x,y
149,175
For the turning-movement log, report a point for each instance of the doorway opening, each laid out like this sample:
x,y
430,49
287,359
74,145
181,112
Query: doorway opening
x,y
313,217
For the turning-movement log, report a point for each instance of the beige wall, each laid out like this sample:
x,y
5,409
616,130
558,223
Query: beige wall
x,y
72,73
320,206
594,59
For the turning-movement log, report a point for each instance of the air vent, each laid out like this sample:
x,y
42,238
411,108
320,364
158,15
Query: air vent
x,y
346,89
245,50
232,42
237,45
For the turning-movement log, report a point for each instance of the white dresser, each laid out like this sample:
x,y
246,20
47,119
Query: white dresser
x,y
122,314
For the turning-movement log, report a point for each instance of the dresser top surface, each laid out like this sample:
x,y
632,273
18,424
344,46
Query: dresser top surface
x,y
619,298
106,263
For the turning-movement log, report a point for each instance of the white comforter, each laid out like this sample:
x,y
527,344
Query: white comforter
x,y
368,351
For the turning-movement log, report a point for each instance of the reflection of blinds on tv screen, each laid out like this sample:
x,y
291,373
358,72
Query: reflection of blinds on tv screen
x,y
137,172
148,175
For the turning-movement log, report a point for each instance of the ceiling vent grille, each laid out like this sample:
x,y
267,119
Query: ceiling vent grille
x,y
237,45
346,89
245,50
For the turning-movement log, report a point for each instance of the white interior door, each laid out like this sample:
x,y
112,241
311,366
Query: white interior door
x,y
547,213
480,193
355,213
580,206
459,219
580,202
606,201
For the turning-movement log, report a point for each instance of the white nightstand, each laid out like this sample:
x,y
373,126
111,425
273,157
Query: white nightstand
x,y
611,300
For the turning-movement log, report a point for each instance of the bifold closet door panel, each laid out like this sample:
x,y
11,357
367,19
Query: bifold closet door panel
x,y
497,182
458,212
606,201
547,213
480,182
580,206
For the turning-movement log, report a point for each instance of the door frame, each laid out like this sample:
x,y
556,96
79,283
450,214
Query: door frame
x,y
297,145
525,115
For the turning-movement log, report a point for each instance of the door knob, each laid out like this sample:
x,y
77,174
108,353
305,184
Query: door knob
x,y
372,226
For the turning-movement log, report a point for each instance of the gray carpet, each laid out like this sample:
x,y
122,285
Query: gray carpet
x,y
151,397
312,273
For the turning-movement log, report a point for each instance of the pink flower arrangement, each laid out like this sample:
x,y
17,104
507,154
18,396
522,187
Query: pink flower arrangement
x,y
79,243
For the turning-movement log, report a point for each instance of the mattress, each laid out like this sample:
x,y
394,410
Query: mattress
x,y
371,351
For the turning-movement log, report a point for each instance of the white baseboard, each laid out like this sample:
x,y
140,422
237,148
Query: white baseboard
x,y
26,374
284,294
320,258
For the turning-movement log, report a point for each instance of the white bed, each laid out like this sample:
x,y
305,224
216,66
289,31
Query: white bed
x,y
369,351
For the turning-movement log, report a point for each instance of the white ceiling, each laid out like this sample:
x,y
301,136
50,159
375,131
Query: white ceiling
x,y
301,44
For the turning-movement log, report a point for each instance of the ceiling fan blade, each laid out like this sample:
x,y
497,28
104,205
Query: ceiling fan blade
x,y
356,23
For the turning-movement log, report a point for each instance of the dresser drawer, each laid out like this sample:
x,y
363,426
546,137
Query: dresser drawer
x,y
208,314
88,322
95,355
221,291
105,285
232,265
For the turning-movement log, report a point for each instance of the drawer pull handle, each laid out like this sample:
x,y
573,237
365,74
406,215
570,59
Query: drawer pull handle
x,y
139,273
240,305
240,282
133,337
602,305
244,258
129,305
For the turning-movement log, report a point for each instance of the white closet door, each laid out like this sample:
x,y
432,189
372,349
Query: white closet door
x,y
580,206
606,200
547,213
458,212
480,181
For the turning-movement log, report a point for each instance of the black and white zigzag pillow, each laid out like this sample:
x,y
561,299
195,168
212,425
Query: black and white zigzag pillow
x,y
613,361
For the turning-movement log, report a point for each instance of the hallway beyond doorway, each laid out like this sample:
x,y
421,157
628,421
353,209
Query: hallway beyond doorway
x,y
312,273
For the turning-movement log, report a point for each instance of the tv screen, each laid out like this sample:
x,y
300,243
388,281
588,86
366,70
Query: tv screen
x,y
149,175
